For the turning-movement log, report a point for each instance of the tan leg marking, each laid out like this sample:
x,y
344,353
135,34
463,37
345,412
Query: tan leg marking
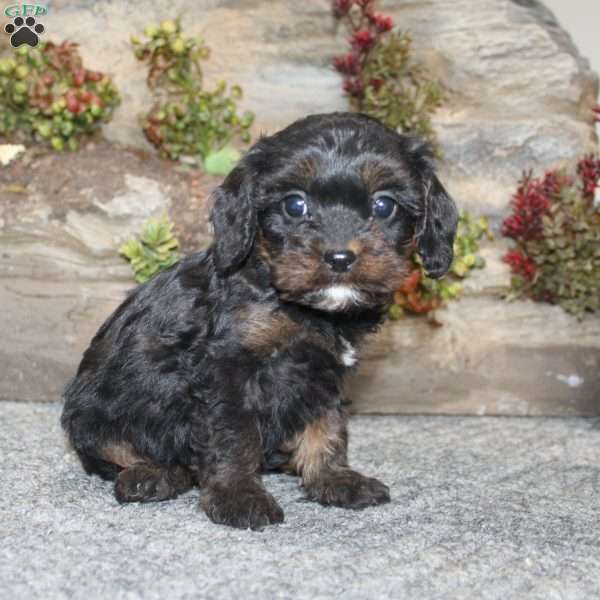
x,y
319,448
121,454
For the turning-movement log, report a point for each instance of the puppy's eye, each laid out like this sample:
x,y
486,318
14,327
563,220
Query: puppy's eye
x,y
295,205
384,207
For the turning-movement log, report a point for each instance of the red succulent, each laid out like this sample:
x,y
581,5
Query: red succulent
x,y
154,135
78,77
520,264
354,87
531,202
93,76
382,23
348,64
529,205
376,83
363,39
588,170
96,101
555,226
85,96
72,102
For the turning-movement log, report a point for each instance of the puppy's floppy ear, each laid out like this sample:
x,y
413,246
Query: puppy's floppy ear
x,y
234,220
436,226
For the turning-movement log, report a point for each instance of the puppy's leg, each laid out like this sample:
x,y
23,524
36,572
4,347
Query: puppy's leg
x,y
140,480
234,494
319,456
145,482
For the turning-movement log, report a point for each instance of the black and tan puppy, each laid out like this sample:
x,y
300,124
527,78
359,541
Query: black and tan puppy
x,y
233,361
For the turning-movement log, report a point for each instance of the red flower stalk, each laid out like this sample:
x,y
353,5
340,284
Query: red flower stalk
x,y
382,23
529,204
520,264
596,111
93,76
363,39
376,83
354,87
588,170
341,8
366,28
348,64
554,181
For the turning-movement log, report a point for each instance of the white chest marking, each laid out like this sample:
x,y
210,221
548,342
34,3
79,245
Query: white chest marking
x,y
349,357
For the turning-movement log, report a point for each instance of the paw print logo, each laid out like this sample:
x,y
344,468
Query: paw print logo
x,y
24,31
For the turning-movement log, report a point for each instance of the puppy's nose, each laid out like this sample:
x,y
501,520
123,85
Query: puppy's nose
x,y
340,260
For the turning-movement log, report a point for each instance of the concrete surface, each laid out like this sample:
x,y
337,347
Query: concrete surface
x,y
481,508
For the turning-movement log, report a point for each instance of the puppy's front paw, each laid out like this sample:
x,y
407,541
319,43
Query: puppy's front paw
x,y
246,507
348,489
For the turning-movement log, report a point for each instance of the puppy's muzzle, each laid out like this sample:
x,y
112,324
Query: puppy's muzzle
x,y
340,261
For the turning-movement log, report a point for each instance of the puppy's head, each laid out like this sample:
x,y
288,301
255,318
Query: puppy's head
x,y
334,204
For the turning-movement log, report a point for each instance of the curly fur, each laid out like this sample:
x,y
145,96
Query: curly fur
x,y
233,361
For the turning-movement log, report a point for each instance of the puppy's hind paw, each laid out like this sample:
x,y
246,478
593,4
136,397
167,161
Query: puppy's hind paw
x,y
245,508
147,483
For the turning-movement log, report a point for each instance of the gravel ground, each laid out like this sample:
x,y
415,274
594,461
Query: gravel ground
x,y
482,508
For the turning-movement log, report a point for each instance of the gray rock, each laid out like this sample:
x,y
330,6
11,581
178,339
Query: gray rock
x,y
519,93
490,357
46,324
519,97
42,243
142,198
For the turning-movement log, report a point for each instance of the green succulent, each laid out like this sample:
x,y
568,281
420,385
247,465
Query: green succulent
x,y
399,91
420,294
154,251
186,119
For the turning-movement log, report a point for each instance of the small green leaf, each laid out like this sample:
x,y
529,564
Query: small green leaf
x,y
222,161
396,312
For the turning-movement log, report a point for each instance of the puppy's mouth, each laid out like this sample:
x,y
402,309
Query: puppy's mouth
x,y
336,297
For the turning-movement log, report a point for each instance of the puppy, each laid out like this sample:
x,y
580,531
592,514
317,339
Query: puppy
x,y
232,362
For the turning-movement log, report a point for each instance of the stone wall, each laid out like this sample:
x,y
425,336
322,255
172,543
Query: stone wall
x,y
519,96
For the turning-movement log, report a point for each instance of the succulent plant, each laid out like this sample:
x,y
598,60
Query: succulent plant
x,y
46,93
381,78
555,224
420,294
186,119
154,251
